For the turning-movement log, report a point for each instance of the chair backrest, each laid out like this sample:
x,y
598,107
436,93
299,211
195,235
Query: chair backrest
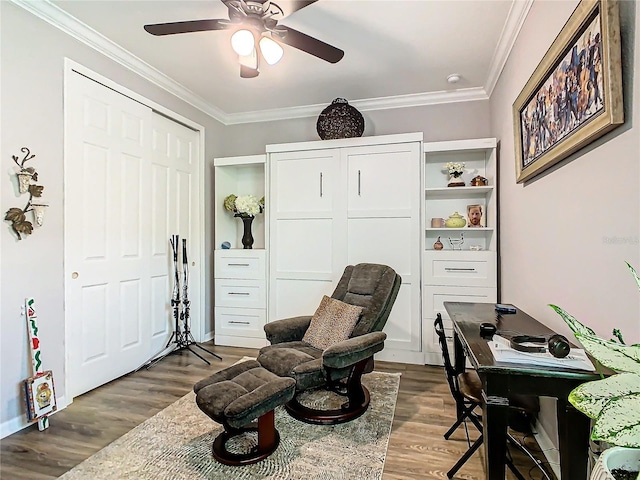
x,y
449,370
372,286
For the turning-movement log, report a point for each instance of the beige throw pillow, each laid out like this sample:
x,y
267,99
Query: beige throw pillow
x,y
333,322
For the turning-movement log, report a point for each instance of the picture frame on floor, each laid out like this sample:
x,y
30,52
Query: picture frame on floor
x,y
40,395
575,94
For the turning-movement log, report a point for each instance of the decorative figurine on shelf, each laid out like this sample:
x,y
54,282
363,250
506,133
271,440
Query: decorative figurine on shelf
x,y
456,243
17,216
479,181
438,245
455,171
245,207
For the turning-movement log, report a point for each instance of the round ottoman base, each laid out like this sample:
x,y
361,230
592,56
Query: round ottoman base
x,y
268,441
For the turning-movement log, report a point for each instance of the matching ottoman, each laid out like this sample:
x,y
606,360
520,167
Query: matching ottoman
x,y
235,397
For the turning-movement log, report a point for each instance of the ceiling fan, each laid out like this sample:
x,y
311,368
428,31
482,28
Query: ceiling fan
x,y
256,22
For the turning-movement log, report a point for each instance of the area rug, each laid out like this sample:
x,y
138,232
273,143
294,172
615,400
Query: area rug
x,y
176,444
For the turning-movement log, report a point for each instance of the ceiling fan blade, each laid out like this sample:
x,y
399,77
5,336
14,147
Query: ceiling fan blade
x,y
308,44
299,5
187,27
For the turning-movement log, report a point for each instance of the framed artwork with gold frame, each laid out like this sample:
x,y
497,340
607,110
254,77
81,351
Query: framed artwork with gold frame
x,y
575,94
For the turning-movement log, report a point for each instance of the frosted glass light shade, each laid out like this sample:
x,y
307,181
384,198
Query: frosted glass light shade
x,y
242,42
271,50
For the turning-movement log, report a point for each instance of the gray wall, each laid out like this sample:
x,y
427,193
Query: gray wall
x,y
437,122
32,55
566,235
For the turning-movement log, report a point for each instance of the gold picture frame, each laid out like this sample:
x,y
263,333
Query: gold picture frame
x,y
575,94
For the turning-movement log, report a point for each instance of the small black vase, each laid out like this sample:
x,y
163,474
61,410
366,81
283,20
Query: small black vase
x,y
247,238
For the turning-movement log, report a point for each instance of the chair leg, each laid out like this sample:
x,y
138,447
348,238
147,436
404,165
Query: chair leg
x,y
463,459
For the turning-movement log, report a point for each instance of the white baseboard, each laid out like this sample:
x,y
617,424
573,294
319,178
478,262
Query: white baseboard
x,y
548,448
16,424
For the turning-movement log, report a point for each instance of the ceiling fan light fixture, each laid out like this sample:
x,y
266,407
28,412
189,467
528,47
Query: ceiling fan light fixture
x,y
271,50
242,42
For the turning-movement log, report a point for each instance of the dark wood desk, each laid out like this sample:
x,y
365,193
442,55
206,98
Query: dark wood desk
x,y
501,380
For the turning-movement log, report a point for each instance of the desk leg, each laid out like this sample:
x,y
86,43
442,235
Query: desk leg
x,y
573,435
494,418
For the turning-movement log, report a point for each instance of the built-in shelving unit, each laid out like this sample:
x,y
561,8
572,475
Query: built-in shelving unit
x,y
470,273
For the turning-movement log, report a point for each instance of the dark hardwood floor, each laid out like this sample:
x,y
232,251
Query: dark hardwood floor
x,y
417,450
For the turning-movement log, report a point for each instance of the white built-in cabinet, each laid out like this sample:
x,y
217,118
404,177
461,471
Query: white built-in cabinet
x,y
468,274
335,203
240,286
342,202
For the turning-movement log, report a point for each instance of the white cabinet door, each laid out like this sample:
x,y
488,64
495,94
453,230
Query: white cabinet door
x,y
304,183
307,251
383,180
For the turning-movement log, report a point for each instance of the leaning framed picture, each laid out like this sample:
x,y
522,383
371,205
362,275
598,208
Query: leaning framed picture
x,y
40,394
575,94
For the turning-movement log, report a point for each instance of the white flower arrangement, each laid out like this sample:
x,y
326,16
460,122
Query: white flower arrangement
x,y
454,168
244,205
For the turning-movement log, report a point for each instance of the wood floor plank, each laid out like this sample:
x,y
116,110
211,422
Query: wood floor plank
x,y
417,449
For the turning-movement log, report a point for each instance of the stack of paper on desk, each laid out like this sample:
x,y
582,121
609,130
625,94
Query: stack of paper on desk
x,y
502,352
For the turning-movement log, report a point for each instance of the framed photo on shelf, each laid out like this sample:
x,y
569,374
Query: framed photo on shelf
x,y
40,394
476,216
574,96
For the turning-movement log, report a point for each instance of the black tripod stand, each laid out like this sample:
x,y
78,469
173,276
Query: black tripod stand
x,y
181,338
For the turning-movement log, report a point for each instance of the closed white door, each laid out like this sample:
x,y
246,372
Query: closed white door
x,y
174,209
307,224
384,227
121,205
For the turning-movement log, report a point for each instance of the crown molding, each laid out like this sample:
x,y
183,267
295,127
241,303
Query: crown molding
x,y
52,14
369,104
515,19
70,25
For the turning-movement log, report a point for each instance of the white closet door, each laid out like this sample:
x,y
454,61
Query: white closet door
x,y
131,181
174,210
107,234
307,247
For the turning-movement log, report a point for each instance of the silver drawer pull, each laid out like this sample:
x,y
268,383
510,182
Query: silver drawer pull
x,y
239,293
240,323
238,264
453,269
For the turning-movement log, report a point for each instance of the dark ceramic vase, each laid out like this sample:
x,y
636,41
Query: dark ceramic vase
x,y
247,238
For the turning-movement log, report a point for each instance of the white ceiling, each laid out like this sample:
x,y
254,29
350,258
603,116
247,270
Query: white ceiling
x,y
397,52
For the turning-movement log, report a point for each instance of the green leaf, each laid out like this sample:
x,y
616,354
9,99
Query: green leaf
x,y
591,397
635,275
619,422
573,324
15,215
614,355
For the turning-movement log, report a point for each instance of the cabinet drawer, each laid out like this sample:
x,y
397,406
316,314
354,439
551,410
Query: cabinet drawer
x,y
240,293
435,296
240,322
468,269
249,264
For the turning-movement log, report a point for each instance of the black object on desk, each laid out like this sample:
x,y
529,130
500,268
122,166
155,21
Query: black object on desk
x,y
502,380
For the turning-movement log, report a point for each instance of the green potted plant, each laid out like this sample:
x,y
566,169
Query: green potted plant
x,y
613,402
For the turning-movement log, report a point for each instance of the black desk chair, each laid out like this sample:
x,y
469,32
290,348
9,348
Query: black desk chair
x,y
466,390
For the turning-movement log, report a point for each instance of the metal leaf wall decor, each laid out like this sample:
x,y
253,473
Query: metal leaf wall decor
x,y
26,178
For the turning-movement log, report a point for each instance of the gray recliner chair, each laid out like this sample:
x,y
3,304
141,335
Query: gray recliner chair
x,y
340,366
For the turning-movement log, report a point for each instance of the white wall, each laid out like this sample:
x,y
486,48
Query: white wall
x,y
566,234
32,55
